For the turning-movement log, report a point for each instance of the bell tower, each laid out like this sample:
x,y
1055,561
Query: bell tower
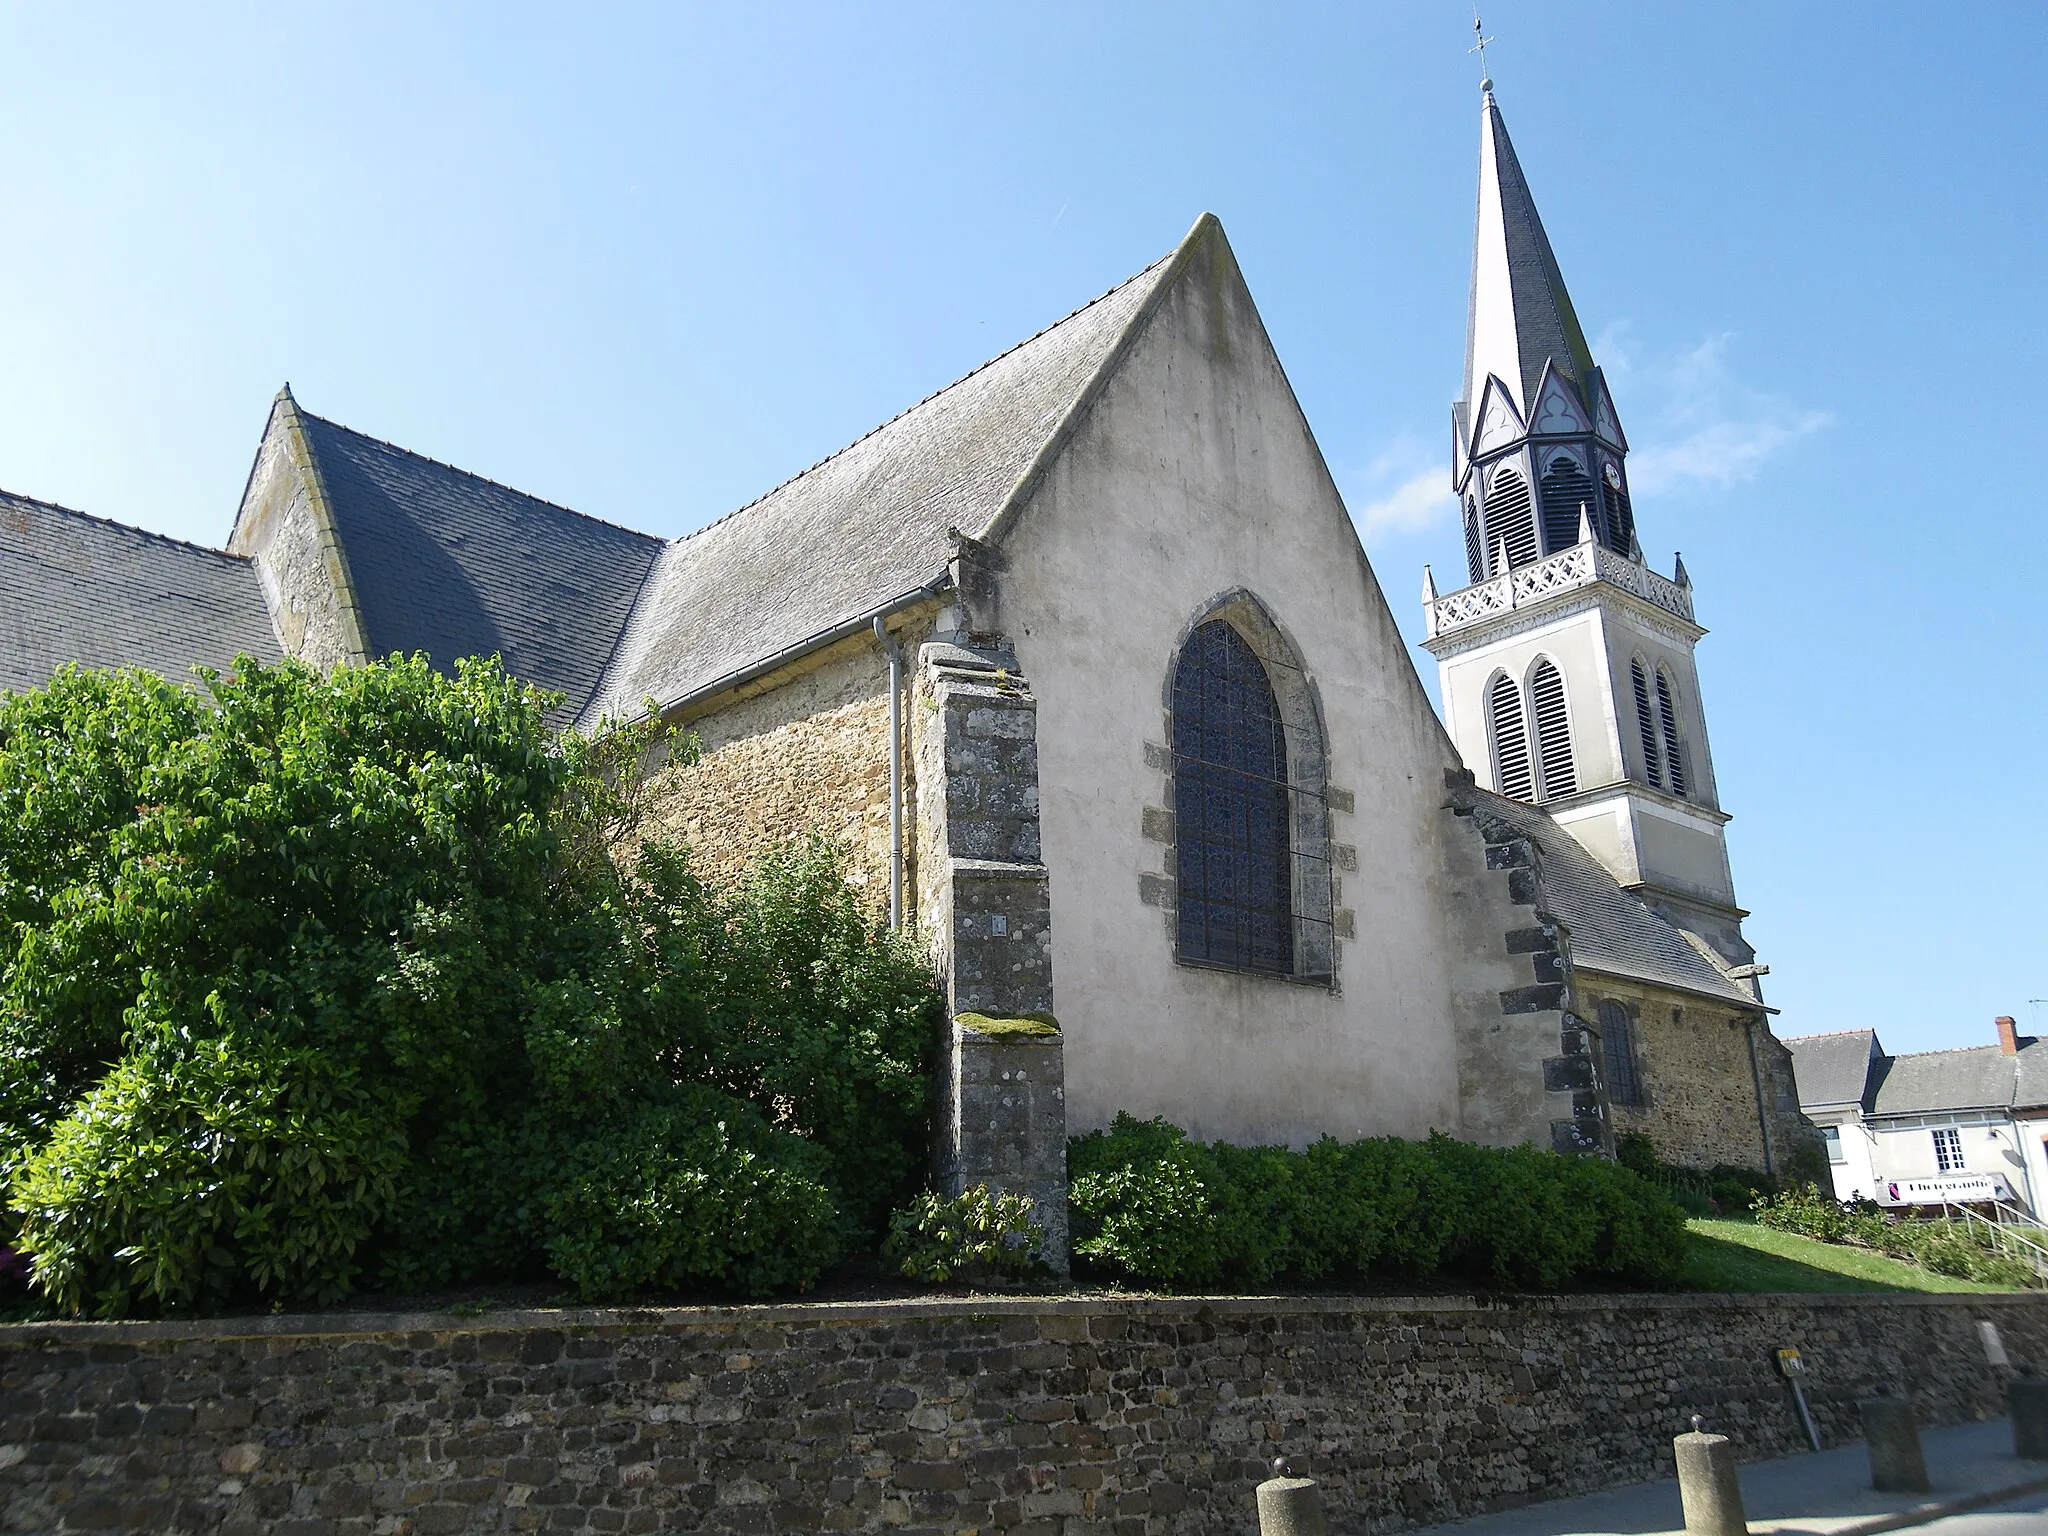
x,y
1566,663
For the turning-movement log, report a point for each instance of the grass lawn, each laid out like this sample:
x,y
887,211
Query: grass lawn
x,y
1740,1256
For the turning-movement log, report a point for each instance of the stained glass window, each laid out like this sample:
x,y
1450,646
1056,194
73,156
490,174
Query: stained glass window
x,y
1231,807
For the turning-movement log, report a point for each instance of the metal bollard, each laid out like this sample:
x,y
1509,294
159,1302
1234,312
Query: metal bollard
x,y
2027,1397
1893,1440
1289,1505
1707,1486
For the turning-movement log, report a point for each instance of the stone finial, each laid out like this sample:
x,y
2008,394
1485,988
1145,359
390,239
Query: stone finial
x,y
1678,570
1585,525
1428,586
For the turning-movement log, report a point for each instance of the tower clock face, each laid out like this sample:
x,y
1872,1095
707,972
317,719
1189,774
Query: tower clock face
x,y
1613,477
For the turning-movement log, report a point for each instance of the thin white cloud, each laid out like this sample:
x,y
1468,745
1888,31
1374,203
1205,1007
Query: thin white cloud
x,y
1405,489
1418,502
1707,430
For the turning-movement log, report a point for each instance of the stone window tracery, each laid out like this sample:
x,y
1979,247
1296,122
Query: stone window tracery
x,y
1252,855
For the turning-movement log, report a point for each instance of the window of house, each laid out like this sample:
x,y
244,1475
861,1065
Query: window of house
x,y
1948,1150
1618,1054
1231,805
1832,1136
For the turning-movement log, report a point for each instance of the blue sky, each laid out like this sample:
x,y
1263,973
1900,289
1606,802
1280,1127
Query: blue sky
x,y
651,260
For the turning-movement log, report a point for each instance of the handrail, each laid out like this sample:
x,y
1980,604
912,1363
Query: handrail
x,y
2036,1255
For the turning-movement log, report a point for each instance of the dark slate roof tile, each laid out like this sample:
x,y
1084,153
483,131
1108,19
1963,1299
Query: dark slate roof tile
x,y
1835,1069
455,565
1978,1077
80,588
866,526
1612,931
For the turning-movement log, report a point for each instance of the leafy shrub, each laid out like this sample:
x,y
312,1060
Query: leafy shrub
x,y
1150,1205
310,978
980,1232
701,1192
1966,1250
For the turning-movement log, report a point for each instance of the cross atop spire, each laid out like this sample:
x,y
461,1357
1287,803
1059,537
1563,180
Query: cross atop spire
x,y
1479,42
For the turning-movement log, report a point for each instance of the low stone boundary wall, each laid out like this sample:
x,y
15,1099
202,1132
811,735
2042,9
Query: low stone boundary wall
x,y
1125,1416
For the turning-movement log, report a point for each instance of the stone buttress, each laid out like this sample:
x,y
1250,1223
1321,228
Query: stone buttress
x,y
983,896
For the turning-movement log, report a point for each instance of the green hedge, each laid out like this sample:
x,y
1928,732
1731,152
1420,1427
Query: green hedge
x,y
311,981
1150,1206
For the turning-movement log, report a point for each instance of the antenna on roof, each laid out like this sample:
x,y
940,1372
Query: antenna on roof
x,y
1479,42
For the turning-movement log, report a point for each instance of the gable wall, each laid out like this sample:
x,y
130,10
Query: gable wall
x,y
1192,475
286,527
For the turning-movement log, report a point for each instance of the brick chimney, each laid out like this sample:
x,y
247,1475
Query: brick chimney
x,y
2008,1042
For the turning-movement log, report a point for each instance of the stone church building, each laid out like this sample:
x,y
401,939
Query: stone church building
x,y
1082,660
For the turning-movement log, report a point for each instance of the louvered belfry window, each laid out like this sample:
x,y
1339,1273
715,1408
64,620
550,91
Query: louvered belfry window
x,y
1646,725
1231,800
1667,715
1621,520
1510,518
1566,488
1510,740
1553,732
1475,557
1618,1055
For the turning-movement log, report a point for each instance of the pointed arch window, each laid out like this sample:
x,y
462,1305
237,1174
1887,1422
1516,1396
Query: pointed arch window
x,y
1231,804
1567,489
1511,775
1553,731
1511,517
1618,1055
1475,558
1646,724
1667,716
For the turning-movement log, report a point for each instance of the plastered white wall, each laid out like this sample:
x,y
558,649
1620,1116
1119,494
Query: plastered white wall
x,y
1194,474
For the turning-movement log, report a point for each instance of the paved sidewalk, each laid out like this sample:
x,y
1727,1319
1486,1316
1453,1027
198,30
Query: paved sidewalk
x,y
1826,1494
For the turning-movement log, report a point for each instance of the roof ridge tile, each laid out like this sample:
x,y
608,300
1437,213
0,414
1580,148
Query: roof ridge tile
x,y
111,522
916,405
470,474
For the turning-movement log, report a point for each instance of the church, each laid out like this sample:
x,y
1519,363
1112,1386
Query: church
x,y
1082,662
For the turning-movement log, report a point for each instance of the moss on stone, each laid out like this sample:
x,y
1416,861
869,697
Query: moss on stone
x,y
1028,1024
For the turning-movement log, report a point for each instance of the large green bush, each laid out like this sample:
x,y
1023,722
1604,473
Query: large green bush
x,y
1151,1206
308,981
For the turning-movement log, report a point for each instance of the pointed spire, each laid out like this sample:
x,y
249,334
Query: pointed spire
x,y
1428,586
1585,525
1500,556
1520,315
1678,570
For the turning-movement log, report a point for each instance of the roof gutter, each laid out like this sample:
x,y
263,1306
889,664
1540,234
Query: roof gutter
x,y
1747,1004
844,629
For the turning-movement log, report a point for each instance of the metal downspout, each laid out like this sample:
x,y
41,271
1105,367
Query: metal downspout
x,y
895,654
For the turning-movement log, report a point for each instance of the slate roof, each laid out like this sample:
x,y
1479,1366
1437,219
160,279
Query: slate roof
x,y
866,526
455,565
1978,1077
1536,307
1835,1069
79,588
1612,931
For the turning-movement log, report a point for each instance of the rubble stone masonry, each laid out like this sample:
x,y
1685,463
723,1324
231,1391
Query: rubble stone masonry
x,y
1032,1416
1695,1067
802,750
